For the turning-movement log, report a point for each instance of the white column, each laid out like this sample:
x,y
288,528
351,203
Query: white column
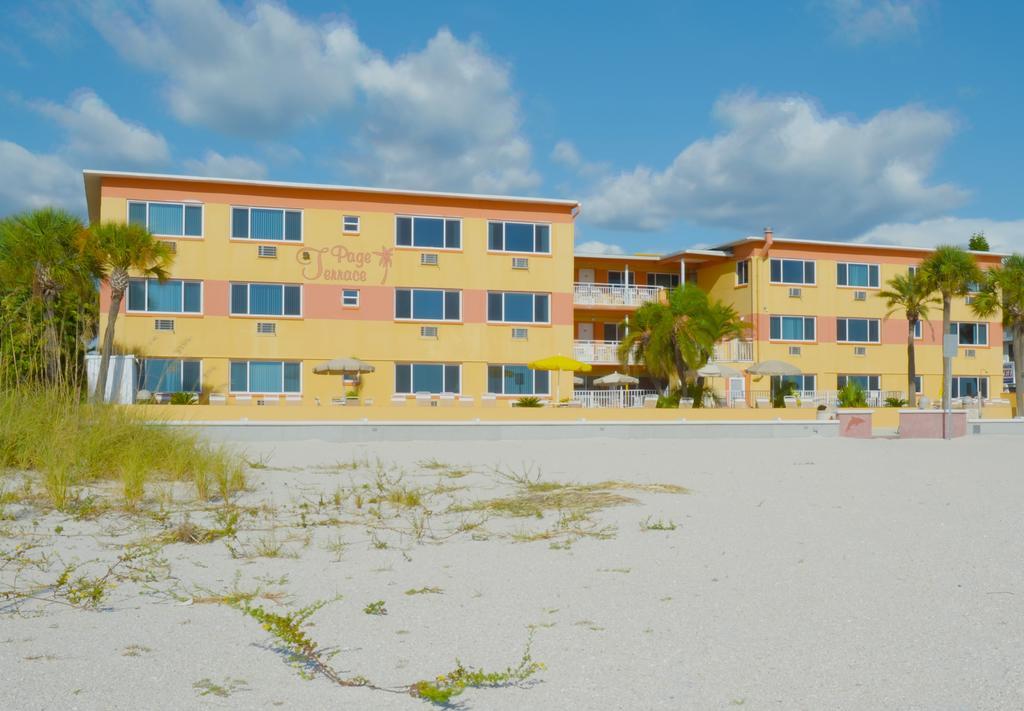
x,y
682,272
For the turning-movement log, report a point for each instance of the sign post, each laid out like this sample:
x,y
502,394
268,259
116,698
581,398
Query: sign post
x,y
950,346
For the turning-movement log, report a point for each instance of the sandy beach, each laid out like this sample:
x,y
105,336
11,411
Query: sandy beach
x,y
790,574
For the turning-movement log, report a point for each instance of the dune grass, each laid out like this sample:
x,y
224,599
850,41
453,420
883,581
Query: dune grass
x,y
71,444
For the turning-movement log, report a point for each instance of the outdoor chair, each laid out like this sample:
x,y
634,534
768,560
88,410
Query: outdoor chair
x,y
650,401
466,400
424,400
740,403
446,400
218,399
243,399
577,403
398,400
789,401
685,402
763,402
338,402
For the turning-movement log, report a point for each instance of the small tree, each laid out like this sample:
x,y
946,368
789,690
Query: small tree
x,y
978,242
119,248
950,271
1003,290
911,294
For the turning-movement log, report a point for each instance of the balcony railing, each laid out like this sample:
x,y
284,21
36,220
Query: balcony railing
x,y
587,294
612,398
734,351
597,351
829,398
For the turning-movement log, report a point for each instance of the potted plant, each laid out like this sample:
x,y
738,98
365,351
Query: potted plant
x,y
822,412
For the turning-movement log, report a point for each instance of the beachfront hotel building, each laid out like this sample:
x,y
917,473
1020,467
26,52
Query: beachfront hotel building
x,y
452,295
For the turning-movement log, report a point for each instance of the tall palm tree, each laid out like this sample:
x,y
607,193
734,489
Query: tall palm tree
x,y
950,271
1004,289
37,251
121,248
709,321
911,294
650,338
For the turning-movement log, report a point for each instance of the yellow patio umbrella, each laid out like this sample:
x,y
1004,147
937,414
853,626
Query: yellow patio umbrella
x,y
560,363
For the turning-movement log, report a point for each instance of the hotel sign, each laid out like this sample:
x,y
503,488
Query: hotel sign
x,y
339,263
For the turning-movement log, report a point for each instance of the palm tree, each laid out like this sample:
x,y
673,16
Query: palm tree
x,y
119,248
37,252
950,271
911,294
1004,289
709,322
650,338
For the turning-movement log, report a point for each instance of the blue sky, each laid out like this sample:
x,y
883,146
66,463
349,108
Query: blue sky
x,y
676,124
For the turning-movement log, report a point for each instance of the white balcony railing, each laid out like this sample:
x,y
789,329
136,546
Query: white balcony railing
x,y
612,398
597,351
587,294
734,351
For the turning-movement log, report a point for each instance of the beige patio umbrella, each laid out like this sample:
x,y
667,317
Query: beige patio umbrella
x,y
616,378
577,380
343,367
774,367
717,370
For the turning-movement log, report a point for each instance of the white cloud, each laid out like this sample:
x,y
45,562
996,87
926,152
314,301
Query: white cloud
x,y
214,164
566,153
442,118
1002,235
859,21
596,247
96,133
259,74
30,180
781,162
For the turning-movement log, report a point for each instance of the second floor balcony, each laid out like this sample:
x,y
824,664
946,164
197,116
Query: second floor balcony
x,y
734,351
613,295
597,352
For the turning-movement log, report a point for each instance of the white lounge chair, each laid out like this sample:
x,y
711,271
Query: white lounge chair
x,y
424,399
398,400
446,400
789,401
650,402
763,402
685,402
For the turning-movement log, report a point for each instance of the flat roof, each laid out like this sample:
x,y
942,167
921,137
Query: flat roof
x,y
92,180
846,245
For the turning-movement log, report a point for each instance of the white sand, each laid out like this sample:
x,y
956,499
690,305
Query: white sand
x,y
803,574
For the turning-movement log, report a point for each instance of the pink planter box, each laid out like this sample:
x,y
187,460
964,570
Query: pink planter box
x,y
855,423
927,424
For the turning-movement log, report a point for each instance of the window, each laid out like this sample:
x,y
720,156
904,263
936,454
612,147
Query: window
x,y
913,270
266,300
970,334
517,380
621,277
743,272
165,375
792,271
168,219
918,384
866,382
791,328
428,305
614,331
266,223
350,298
918,329
858,275
667,281
173,296
801,383
427,378
857,330
969,386
428,232
266,376
350,224
519,237
515,307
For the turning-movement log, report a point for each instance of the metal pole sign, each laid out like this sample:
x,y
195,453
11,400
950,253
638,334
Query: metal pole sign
x,y
950,347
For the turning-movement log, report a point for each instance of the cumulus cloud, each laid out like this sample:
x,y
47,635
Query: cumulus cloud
x,y
30,180
1002,235
596,247
781,162
96,133
257,74
215,165
444,117
566,153
859,21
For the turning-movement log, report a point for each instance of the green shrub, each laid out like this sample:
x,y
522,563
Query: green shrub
x,y
852,395
895,402
184,398
784,390
529,401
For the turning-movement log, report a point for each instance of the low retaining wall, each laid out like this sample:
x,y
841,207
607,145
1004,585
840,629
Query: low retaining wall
x,y
351,432
931,424
996,427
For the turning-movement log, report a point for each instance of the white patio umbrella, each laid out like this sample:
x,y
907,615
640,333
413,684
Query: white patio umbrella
x,y
717,370
616,378
774,367
577,380
343,366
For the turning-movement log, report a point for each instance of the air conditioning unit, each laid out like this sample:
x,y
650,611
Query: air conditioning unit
x,y
266,328
969,300
519,334
173,246
428,331
520,263
970,353
163,324
795,292
860,296
267,251
860,351
428,259
794,350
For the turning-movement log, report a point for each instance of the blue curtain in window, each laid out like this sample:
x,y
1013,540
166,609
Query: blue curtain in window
x,y
519,308
137,295
792,329
541,384
518,237
292,378
494,380
452,306
267,224
428,304
403,303
193,297
543,244
293,300
452,234
164,297
239,298
240,222
265,377
293,226
161,375
165,219
451,379
495,236
403,231
428,232
518,380
137,213
190,378
540,308
403,378
494,306
193,221
427,378
239,377
265,299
